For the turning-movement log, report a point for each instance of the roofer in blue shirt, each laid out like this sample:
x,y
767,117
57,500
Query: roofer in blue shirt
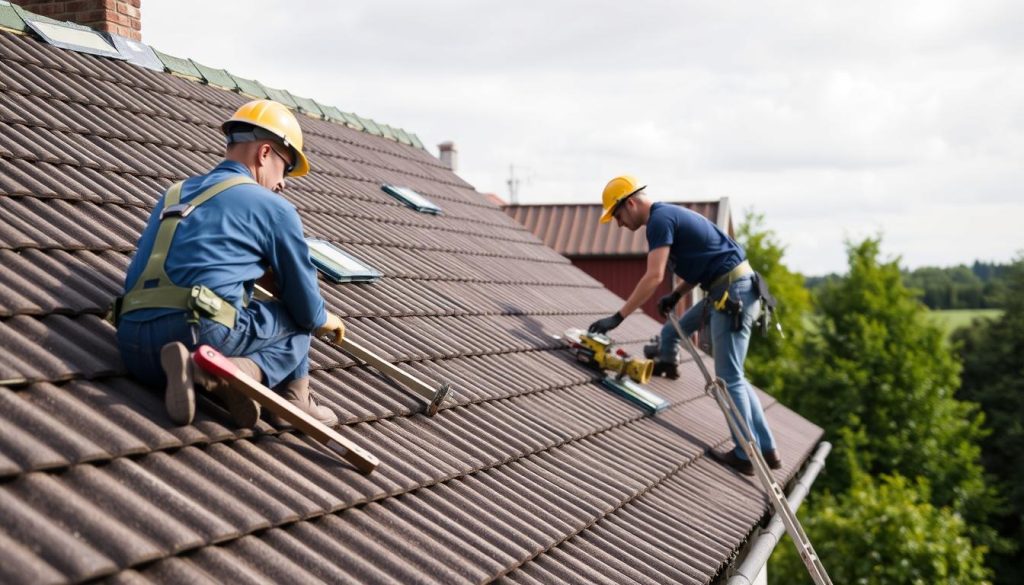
x,y
699,253
209,239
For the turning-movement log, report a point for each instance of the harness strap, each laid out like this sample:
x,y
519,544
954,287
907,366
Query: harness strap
x,y
154,289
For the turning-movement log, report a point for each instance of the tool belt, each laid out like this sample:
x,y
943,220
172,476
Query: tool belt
x,y
155,290
738,271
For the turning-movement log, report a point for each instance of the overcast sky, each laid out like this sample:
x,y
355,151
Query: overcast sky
x,y
836,120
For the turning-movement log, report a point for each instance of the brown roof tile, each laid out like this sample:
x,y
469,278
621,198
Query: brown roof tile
x,y
535,473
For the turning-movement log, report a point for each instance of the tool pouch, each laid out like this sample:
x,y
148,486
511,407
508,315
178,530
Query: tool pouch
x,y
203,302
731,307
768,304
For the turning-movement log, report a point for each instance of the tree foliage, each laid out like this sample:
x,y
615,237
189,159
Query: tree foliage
x,y
879,368
773,358
884,531
993,376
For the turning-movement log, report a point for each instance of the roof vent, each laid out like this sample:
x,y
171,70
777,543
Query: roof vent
x,y
412,199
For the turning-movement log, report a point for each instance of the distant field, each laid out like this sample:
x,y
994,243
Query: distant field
x,y
954,319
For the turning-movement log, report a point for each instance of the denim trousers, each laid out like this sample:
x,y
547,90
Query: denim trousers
x,y
730,350
264,332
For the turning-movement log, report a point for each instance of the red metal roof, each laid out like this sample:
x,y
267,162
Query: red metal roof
x,y
574,230
534,474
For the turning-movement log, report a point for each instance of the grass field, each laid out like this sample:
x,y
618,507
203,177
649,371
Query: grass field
x,y
954,319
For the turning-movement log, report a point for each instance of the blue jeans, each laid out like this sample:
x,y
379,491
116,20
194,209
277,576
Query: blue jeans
x,y
264,333
730,350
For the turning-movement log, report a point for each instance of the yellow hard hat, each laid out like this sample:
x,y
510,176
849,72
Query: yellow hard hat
x,y
616,191
276,119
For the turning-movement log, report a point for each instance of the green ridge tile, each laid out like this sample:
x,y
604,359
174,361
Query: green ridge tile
x,y
308,106
369,125
402,136
249,87
10,19
333,114
282,96
218,77
416,141
387,132
354,121
179,66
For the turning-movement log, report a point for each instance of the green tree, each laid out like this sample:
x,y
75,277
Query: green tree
x,y
884,531
773,358
880,369
993,376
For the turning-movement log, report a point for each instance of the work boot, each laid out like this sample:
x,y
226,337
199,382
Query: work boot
x,y
297,392
244,411
773,459
668,369
179,396
732,460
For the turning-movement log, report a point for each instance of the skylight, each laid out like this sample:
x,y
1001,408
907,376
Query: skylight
x,y
412,199
636,393
337,265
70,36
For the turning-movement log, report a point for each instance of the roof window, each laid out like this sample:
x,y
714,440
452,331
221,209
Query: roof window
x,y
337,265
412,199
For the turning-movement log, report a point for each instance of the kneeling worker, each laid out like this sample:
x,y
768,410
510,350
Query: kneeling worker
x,y
207,242
700,254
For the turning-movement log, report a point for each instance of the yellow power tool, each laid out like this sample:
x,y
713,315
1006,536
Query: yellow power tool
x,y
596,350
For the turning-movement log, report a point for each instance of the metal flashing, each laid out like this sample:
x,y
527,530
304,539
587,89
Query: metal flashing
x,y
636,394
136,52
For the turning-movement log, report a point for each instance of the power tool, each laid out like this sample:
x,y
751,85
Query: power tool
x,y
595,349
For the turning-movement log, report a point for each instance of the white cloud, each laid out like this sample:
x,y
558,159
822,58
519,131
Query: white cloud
x,y
835,119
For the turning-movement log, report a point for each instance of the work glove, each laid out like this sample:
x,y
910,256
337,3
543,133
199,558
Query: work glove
x,y
668,302
605,325
332,328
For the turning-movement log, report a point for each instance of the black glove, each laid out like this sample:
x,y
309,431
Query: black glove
x,y
605,325
668,302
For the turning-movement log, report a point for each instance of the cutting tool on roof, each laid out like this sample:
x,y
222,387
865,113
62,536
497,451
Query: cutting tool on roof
x,y
626,372
215,363
432,398
716,387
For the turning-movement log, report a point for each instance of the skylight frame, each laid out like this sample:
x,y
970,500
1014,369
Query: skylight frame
x,y
339,266
50,30
413,199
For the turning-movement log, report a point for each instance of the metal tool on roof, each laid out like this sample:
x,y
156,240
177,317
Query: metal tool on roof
x,y
716,387
215,363
432,398
595,349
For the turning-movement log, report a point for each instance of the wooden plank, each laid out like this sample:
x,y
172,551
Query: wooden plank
x,y
215,363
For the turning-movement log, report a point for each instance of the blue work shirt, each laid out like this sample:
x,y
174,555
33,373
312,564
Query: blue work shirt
x,y
700,252
229,241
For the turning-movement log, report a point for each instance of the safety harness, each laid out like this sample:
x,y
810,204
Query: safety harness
x,y
154,289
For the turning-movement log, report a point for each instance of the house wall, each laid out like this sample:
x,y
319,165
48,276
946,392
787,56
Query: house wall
x,y
620,275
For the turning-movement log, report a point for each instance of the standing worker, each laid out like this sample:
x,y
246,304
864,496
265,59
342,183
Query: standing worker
x,y
699,254
208,241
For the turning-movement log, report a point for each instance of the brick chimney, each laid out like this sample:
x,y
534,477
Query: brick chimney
x,y
449,154
123,17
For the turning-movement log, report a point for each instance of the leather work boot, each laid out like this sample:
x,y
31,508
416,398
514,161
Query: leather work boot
x,y
297,392
183,375
732,460
773,459
179,397
668,369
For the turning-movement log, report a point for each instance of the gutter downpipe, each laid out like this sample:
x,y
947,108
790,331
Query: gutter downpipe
x,y
768,538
